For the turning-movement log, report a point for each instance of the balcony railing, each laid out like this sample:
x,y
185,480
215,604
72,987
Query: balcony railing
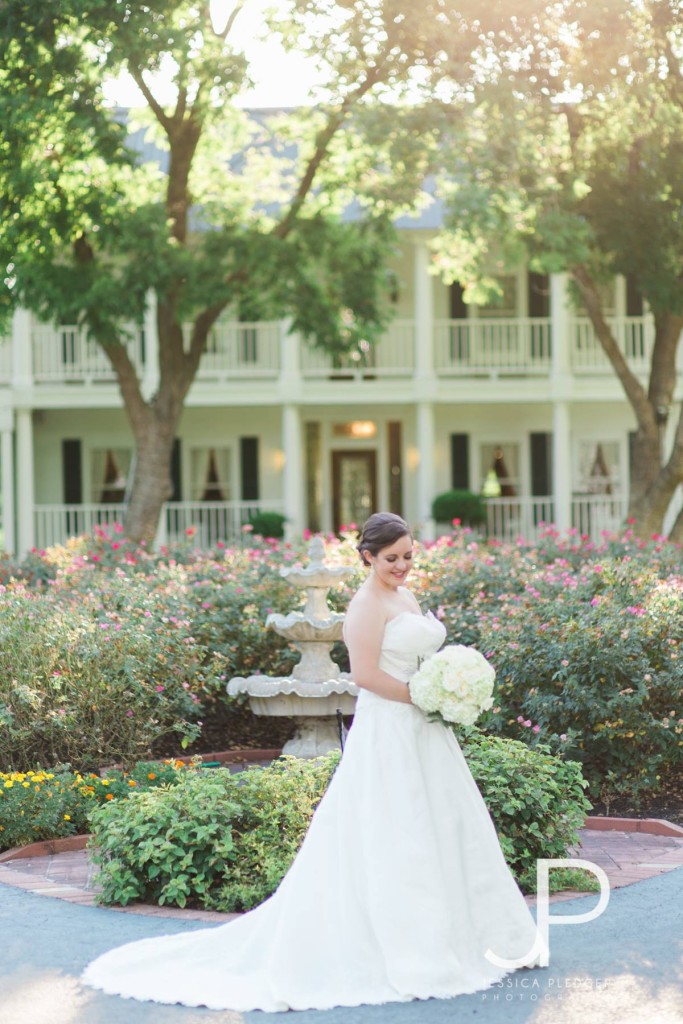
x,y
66,354
520,345
633,334
202,523
235,350
239,349
391,356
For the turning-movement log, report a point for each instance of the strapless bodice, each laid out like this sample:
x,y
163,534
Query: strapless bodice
x,y
408,637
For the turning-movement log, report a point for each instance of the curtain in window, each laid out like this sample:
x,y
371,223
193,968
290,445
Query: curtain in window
x,y
211,474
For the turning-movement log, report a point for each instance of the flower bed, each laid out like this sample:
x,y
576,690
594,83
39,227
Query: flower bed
x,y
111,653
37,805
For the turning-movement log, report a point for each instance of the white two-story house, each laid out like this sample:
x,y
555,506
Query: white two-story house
x,y
451,392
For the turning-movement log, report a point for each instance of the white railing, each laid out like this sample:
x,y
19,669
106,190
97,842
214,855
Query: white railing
x,y
54,524
65,353
594,515
516,345
206,523
509,519
633,334
240,349
393,355
202,523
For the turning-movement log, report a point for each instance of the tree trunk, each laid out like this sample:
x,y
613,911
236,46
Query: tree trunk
x,y
152,484
652,486
650,510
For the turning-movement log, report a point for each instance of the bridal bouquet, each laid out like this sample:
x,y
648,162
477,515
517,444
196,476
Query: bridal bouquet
x,y
456,683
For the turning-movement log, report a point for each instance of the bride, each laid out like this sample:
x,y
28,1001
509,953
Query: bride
x,y
400,886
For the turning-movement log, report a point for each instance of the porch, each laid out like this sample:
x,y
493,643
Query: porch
x,y
205,524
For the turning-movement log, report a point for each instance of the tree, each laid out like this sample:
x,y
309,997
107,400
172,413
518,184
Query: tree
x,y
573,162
246,214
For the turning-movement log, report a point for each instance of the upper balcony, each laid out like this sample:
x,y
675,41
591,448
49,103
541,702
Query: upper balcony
x,y
520,347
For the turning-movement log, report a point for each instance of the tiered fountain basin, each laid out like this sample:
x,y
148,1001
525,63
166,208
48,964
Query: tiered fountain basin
x,y
316,689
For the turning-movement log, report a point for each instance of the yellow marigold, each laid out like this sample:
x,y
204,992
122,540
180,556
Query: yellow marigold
x,y
132,782
26,785
67,817
8,784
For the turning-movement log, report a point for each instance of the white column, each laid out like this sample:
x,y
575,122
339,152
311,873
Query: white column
x,y
561,378
150,374
425,469
424,313
293,476
22,350
7,476
25,490
560,321
562,465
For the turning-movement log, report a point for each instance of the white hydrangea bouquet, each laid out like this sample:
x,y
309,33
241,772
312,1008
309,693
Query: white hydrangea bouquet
x,y
455,684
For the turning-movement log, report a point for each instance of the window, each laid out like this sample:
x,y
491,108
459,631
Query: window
x,y
211,474
598,467
503,460
110,468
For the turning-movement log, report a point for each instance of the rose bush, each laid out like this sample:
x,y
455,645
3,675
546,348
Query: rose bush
x,y
585,639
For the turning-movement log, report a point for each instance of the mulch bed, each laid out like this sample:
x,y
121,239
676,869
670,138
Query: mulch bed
x,y
666,804
238,728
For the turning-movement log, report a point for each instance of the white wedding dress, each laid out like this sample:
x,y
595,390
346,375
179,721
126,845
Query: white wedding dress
x,y
398,890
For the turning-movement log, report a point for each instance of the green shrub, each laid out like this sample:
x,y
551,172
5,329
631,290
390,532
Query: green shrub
x,y
536,800
268,524
225,841
218,839
465,506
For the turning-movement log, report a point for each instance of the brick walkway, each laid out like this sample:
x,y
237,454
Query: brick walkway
x,y
626,857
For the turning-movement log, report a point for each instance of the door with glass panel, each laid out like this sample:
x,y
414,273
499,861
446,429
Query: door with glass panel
x,y
354,487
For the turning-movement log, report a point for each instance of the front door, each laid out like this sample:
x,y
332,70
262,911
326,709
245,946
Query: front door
x,y
354,487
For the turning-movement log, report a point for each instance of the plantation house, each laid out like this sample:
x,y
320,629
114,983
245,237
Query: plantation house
x,y
449,394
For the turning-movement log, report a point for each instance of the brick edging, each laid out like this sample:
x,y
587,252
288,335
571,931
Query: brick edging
x,y
650,826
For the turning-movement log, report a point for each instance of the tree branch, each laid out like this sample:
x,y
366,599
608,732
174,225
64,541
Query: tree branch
x,y
159,112
635,392
322,144
229,23
129,383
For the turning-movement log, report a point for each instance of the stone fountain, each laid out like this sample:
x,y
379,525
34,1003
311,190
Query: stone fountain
x,y
316,688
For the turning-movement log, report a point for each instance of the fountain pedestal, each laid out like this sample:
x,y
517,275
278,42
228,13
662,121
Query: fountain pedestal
x,y
315,689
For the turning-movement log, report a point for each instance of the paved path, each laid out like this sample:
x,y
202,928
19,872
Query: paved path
x,y
625,967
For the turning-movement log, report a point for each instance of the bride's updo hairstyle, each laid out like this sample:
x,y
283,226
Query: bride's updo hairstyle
x,y
381,530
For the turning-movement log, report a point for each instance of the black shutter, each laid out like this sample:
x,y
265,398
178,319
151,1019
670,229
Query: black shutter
x,y
634,300
72,472
249,468
395,468
175,471
460,462
458,307
538,295
541,465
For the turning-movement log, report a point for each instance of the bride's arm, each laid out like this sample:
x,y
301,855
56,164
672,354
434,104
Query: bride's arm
x,y
363,633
